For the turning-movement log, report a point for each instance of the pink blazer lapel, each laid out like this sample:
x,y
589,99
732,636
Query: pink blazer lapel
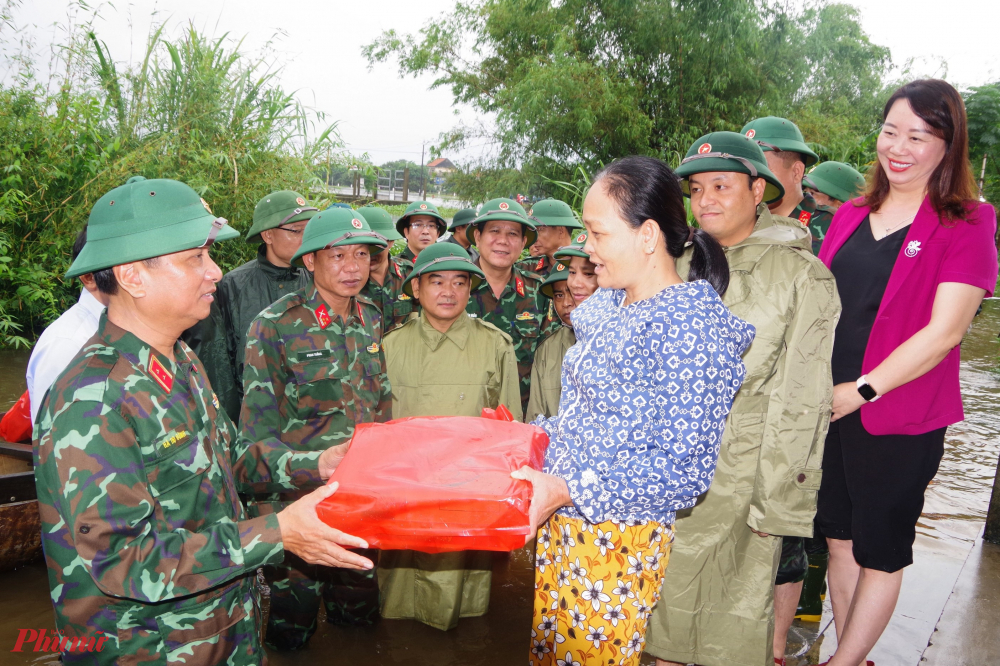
x,y
924,225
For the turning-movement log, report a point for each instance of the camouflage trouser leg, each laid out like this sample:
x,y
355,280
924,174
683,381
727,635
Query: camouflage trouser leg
x,y
351,597
295,598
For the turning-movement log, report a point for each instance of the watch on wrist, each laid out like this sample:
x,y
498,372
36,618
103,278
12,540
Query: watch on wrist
x,y
866,390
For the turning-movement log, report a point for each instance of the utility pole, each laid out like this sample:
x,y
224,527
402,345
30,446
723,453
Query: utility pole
x,y
982,178
423,190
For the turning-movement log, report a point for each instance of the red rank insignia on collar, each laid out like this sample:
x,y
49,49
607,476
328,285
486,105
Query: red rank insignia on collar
x,y
360,316
162,376
399,273
539,266
804,217
322,316
519,286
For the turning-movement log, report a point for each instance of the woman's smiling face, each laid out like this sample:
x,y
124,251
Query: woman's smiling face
x,y
909,149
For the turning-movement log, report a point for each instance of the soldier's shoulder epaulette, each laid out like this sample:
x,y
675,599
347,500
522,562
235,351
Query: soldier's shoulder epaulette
x,y
86,377
493,330
407,324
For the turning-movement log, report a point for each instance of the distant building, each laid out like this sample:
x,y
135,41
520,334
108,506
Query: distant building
x,y
442,166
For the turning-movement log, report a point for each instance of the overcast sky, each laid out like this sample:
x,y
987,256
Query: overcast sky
x,y
320,44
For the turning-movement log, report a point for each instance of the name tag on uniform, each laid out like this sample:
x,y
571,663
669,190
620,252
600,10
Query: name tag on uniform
x,y
314,355
174,441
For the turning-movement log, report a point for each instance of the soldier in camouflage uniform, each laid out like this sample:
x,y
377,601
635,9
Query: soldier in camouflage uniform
x,y
314,369
556,225
458,226
509,298
385,277
421,224
788,157
151,556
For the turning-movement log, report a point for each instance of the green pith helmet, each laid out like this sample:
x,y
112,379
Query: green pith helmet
x,y
728,151
444,257
276,209
422,208
462,217
143,219
502,209
559,273
380,222
554,213
575,249
335,227
836,179
779,133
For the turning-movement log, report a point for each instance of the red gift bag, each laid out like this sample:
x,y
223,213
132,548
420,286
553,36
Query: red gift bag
x,y
436,483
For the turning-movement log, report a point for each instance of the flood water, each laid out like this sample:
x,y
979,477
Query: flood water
x,y
955,510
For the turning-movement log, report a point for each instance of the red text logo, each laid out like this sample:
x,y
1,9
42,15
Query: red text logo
x,y
43,640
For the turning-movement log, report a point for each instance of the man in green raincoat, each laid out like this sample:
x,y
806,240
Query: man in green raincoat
x,y
717,603
219,341
556,224
385,277
788,157
570,283
314,369
444,363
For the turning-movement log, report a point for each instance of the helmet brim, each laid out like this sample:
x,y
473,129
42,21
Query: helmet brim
x,y
773,192
338,238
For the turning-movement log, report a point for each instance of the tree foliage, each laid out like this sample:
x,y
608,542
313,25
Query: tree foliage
x,y
580,82
982,105
195,108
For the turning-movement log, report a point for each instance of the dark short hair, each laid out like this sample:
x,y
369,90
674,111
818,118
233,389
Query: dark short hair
x,y
106,281
81,240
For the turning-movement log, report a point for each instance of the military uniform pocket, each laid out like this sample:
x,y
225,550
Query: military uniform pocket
x,y
320,388
182,457
206,632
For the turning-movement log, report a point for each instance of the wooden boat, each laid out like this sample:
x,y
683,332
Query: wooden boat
x,y
20,525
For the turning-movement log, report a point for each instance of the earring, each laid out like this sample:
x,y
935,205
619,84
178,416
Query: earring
x,y
649,250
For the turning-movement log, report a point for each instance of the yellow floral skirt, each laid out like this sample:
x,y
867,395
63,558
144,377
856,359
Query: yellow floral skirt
x,y
595,587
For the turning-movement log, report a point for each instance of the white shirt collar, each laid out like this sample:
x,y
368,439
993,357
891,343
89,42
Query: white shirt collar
x,y
93,306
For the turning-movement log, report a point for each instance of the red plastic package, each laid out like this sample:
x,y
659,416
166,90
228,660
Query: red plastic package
x,y
15,426
436,483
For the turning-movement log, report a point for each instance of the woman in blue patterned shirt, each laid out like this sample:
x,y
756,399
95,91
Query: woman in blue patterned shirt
x,y
645,394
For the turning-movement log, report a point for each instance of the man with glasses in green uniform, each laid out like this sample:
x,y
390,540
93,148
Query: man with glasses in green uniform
x,y
421,224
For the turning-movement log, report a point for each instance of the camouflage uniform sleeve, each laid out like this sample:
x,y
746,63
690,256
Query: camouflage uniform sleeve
x,y
261,461
798,413
510,388
117,526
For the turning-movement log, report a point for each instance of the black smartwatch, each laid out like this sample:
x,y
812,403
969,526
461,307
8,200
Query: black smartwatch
x,y
866,390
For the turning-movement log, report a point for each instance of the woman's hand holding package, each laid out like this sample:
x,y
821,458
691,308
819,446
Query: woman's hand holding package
x,y
550,493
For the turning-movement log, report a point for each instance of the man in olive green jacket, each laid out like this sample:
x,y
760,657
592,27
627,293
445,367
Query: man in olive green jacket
x,y
444,363
716,606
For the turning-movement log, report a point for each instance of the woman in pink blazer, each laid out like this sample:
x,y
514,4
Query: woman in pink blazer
x,y
913,259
